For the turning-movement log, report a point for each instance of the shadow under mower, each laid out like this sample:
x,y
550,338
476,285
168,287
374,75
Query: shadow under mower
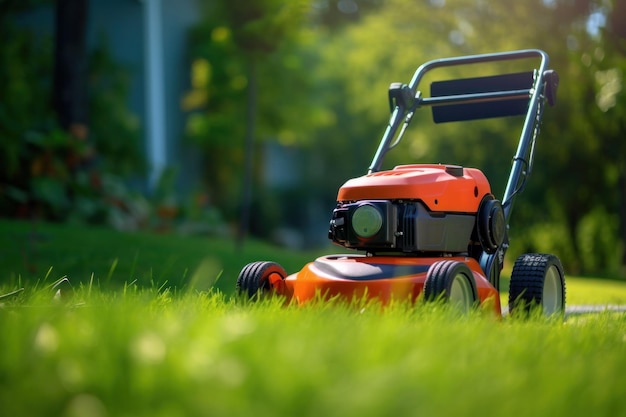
x,y
434,230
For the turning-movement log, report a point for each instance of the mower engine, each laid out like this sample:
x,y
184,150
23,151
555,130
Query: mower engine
x,y
419,209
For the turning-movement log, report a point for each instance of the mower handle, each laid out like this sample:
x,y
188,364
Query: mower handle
x,y
475,59
406,99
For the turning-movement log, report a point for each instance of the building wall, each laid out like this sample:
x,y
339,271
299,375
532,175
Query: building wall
x,y
140,42
120,24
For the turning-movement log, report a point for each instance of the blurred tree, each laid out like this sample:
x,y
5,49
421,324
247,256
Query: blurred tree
x,y
582,159
344,66
8,8
234,53
70,66
336,14
46,168
258,30
580,154
605,108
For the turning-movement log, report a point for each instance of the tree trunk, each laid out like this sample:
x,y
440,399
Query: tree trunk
x,y
70,66
622,209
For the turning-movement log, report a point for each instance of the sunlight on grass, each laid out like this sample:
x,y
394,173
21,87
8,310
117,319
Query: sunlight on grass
x,y
595,291
150,351
206,274
585,291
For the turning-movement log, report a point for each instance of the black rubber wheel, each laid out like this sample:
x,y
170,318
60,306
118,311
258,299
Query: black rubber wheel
x,y
451,282
492,266
255,278
537,281
490,224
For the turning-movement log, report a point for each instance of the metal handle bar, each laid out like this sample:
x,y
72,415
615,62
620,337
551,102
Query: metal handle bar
x,y
475,59
474,98
403,112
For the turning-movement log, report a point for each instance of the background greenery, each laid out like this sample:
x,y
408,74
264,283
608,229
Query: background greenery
x,y
330,99
46,171
320,70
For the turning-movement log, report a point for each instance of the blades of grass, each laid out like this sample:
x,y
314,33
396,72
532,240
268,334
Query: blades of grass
x,y
11,294
166,270
90,285
62,288
134,265
205,275
184,277
112,270
42,281
45,278
58,282
217,278
127,285
160,289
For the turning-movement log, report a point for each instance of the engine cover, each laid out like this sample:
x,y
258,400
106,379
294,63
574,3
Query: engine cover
x,y
412,208
442,188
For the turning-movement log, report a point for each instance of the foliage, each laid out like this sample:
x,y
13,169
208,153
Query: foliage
x,y
261,27
584,128
114,129
336,14
599,243
48,172
218,85
330,100
34,169
323,83
583,131
237,44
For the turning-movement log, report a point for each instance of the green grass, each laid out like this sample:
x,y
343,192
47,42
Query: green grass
x,y
37,252
141,352
595,291
34,251
584,291
141,334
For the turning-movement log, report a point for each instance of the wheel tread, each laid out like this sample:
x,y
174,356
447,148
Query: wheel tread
x,y
252,279
528,279
439,277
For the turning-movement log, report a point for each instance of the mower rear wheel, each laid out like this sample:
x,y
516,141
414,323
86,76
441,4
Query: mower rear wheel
x,y
260,278
537,281
452,282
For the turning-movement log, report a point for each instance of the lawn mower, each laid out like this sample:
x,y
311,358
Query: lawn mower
x,y
435,231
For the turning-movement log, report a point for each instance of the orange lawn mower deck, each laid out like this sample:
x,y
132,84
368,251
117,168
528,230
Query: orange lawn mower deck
x,y
426,232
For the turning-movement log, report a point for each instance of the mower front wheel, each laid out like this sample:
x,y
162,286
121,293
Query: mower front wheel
x,y
261,278
452,282
537,281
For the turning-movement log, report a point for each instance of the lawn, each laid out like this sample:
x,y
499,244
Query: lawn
x,y
143,352
146,337
37,252
32,251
